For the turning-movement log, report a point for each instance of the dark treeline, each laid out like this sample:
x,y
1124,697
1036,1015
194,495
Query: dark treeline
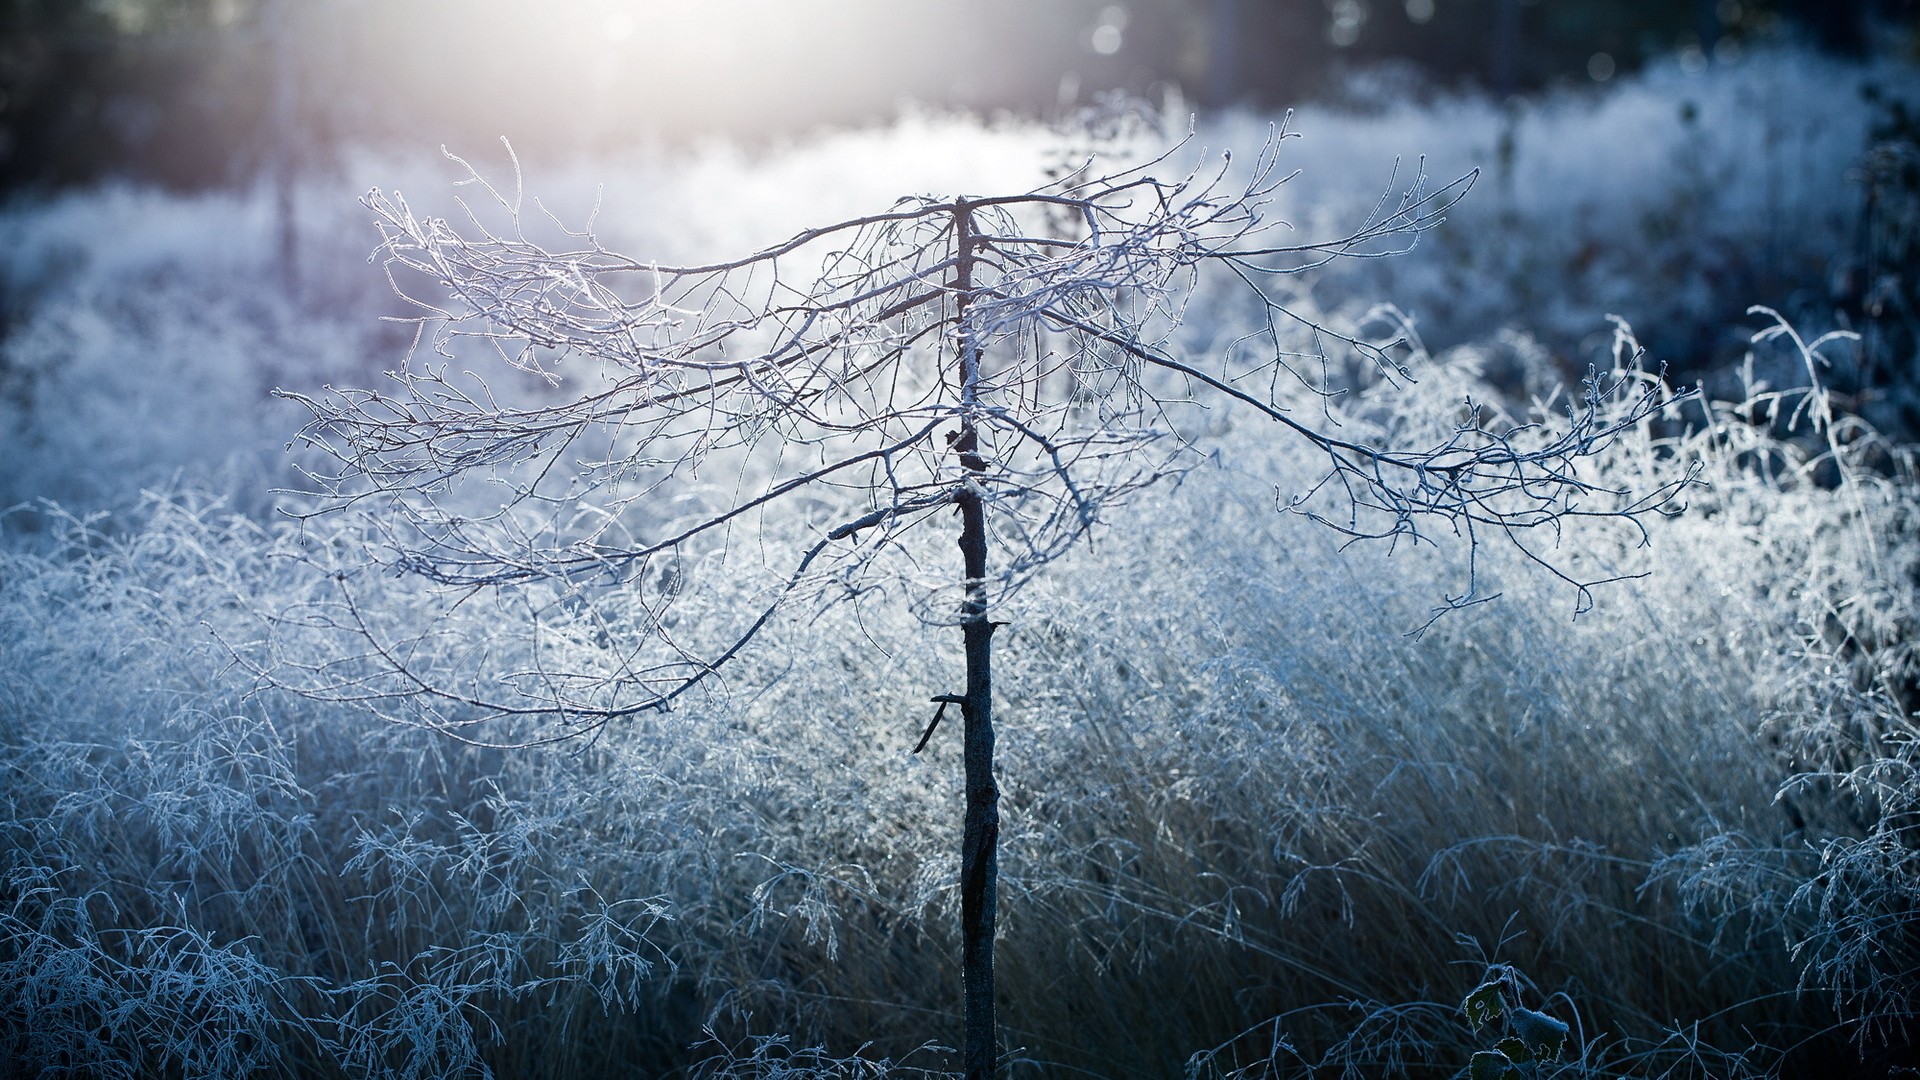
x,y
192,93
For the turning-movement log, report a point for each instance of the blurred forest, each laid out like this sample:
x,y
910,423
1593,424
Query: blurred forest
x,y
222,95
192,94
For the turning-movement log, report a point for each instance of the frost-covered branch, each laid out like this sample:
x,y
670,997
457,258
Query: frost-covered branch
x,y
1031,350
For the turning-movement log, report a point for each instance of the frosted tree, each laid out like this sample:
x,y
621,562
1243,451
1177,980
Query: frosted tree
x,y
1020,362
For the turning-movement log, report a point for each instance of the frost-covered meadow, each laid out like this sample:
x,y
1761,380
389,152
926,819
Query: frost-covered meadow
x,y
1254,827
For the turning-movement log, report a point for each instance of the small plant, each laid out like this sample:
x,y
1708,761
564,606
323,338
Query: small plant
x,y
946,356
1528,1038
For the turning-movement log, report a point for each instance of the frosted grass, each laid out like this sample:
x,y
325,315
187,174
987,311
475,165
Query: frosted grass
x,y
1236,776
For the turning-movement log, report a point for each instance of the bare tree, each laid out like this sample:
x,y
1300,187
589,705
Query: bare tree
x,y
1019,360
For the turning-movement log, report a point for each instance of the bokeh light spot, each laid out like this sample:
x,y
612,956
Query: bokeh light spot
x,y
1348,16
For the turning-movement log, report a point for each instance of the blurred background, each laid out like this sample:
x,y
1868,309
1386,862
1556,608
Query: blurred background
x,y
190,94
180,230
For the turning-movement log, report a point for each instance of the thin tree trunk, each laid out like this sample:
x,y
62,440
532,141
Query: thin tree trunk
x,y
979,859
979,845
1506,48
284,148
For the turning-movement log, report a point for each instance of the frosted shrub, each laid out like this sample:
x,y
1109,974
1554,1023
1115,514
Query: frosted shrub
x,y
197,880
1672,198
1834,527
110,386
82,999
774,1057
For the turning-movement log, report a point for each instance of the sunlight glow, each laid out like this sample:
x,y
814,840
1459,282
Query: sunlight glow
x,y
619,26
680,65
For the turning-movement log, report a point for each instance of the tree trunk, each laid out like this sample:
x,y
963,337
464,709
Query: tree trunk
x,y
979,844
979,859
1506,48
284,148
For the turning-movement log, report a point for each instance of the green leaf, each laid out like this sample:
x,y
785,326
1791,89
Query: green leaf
x,y
1515,1050
1544,1035
1490,1065
1483,1005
